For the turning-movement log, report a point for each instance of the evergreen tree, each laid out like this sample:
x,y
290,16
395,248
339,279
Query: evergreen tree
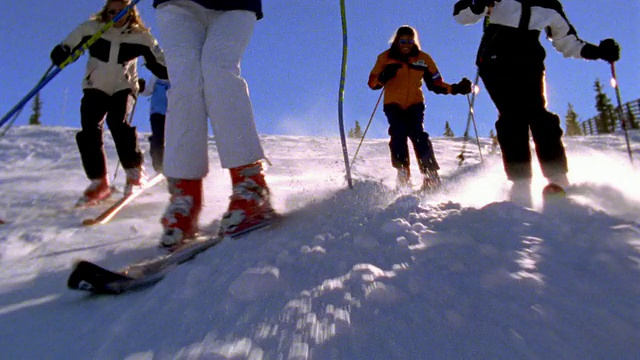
x,y
571,122
34,119
356,132
494,141
605,122
632,123
447,130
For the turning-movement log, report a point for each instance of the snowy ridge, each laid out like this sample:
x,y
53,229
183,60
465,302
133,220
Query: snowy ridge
x,y
347,274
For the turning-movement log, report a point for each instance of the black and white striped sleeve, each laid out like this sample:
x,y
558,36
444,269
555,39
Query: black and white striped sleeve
x,y
466,12
558,29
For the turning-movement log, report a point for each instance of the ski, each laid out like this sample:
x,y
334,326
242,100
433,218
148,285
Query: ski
x,y
114,209
93,278
90,277
83,204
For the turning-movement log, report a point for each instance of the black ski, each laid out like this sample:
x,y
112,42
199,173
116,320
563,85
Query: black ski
x,y
88,276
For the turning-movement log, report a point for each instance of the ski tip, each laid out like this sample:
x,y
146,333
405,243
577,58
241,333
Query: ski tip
x,y
78,265
79,262
89,222
87,276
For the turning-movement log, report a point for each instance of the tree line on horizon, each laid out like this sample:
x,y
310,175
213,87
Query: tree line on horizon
x,y
605,122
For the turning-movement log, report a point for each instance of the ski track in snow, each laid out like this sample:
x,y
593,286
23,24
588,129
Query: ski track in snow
x,y
359,273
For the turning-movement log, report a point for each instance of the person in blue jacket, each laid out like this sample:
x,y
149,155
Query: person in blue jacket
x,y
157,90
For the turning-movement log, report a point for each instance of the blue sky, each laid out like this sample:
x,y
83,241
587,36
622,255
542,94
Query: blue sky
x,y
293,62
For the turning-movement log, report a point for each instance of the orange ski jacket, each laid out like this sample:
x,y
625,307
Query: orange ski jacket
x,y
405,89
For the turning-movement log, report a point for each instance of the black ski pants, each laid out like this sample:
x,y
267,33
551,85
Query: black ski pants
x,y
519,94
409,124
156,140
94,106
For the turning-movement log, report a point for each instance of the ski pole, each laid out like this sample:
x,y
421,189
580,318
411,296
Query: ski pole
x,y
476,89
470,116
367,127
614,83
343,72
130,121
475,127
17,113
73,57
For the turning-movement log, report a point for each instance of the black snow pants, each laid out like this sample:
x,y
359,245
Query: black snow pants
x,y
156,140
94,105
409,124
519,95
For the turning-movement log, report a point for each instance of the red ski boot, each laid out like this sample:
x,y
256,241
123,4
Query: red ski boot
x,y
135,178
180,219
250,205
96,192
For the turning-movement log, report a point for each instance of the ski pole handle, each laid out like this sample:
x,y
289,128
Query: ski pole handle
x,y
614,83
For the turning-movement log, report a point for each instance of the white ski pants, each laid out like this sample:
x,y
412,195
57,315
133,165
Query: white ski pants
x,y
203,49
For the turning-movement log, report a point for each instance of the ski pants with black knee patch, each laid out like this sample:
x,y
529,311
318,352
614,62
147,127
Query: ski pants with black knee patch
x,y
94,106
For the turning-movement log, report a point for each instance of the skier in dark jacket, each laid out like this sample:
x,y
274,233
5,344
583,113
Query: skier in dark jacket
x,y
511,65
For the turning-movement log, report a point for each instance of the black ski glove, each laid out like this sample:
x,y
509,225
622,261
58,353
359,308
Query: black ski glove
x,y
608,50
463,87
142,84
478,6
389,72
59,54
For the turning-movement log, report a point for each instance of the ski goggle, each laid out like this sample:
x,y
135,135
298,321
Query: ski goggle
x,y
406,42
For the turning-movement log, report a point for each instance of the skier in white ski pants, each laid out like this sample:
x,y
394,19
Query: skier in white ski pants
x,y
203,56
204,41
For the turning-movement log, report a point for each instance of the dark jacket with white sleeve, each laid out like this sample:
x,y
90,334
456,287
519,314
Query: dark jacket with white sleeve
x,y
514,31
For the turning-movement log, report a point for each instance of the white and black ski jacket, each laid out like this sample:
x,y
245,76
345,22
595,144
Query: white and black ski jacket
x,y
113,59
513,32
